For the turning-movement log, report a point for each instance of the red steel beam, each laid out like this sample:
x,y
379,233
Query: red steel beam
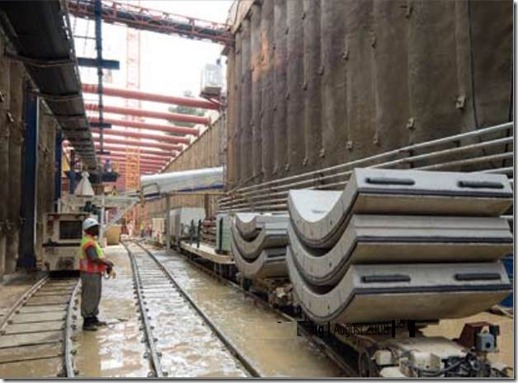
x,y
138,95
146,161
163,138
119,157
142,125
142,144
151,114
142,150
146,155
123,146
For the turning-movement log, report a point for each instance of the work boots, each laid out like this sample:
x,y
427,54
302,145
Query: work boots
x,y
89,324
98,323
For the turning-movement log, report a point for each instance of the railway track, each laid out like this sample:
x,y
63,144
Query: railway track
x,y
35,334
173,330
333,349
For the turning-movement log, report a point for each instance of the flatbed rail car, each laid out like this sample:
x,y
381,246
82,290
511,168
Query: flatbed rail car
x,y
387,349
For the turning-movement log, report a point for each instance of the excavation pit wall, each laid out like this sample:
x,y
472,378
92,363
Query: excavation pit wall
x,y
312,84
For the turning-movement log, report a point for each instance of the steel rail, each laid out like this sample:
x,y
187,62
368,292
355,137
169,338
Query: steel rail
x,y
155,357
403,150
68,369
247,198
403,161
24,298
319,181
257,299
248,364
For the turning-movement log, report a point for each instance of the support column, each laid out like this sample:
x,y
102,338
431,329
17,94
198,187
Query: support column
x,y
27,258
167,221
16,138
58,165
4,154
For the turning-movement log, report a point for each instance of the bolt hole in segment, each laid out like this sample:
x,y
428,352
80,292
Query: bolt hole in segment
x,y
36,332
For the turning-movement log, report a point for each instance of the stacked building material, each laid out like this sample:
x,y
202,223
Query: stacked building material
x,y
400,244
259,244
208,231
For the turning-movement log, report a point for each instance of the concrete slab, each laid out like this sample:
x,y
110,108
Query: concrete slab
x,y
30,339
26,328
381,239
44,309
248,224
319,217
266,239
30,352
43,368
270,263
48,300
371,293
39,317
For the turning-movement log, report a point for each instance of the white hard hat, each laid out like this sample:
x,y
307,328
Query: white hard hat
x,y
89,222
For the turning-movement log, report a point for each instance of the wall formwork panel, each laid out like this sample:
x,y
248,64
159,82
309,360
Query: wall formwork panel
x,y
267,102
295,95
312,86
4,152
257,78
16,139
280,89
245,119
355,78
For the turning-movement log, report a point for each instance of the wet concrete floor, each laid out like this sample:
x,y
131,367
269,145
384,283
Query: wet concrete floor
x,y
264,337
117,350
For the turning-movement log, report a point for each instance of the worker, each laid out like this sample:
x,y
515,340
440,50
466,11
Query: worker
x,y
92,264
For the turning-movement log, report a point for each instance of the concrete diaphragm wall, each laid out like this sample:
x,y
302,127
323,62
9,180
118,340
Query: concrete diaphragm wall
x,y
339,80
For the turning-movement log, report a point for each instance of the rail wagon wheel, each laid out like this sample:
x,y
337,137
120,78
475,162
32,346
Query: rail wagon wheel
x,y
366,367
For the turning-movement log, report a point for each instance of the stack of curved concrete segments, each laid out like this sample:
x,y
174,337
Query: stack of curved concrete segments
x,y
259,244
400,244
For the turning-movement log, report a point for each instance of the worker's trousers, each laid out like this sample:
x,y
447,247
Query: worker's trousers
x,y
90,294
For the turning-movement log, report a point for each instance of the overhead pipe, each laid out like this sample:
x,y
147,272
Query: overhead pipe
x,y
110,140
123,133
151,114
122,148
138,95
142,125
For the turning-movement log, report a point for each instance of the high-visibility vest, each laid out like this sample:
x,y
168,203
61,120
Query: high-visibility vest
x,y
84,263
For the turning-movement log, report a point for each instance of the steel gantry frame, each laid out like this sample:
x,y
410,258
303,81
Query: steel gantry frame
x,y
151,20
